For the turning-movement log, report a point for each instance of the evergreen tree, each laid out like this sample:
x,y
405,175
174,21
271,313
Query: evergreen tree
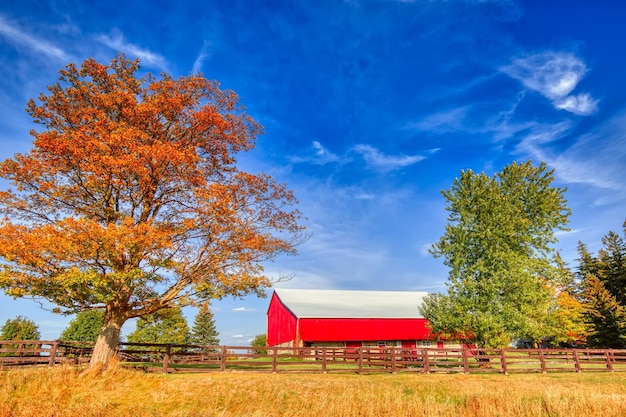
x,y
203,331
85,327
606,315
604,290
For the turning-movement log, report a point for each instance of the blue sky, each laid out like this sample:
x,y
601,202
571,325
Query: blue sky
x,y
370,107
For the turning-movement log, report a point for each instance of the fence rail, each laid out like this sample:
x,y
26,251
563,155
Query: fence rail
x,y
193,358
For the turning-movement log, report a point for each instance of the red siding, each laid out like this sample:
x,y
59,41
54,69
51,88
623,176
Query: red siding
x,y
339,330
282,325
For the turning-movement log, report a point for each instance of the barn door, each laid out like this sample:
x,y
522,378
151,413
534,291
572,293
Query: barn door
x,y
351,347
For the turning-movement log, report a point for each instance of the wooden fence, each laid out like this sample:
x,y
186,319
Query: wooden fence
x,y
191,358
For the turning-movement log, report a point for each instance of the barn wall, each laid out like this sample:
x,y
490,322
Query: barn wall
x,y
339,330
282,325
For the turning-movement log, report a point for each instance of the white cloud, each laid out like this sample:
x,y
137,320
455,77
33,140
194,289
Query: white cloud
x,y
384,163
581,104
243,309
204,54
238,336
116,41
20,38
317,154
323,155
554,75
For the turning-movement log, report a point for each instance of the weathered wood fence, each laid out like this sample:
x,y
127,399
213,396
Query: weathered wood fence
x,y
193,358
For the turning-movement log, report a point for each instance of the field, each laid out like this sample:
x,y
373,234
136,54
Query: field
x,y
62,391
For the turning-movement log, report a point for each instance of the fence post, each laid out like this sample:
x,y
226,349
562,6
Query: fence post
x,y
223,359
465,359
360,360
425,360
505,370
394,352
275,359
576,361
53,353
542,361
166,358
609,362
324,359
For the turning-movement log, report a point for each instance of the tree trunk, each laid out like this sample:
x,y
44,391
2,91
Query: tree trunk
x,y
107,341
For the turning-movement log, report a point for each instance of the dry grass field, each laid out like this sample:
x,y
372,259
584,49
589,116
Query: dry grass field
x,y
62,391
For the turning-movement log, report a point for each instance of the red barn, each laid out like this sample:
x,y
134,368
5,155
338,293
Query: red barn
x,y
346,318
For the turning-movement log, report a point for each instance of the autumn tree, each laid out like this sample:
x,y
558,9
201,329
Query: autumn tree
x,y
131,200
85,327
566,322
163,326
497,245
204,332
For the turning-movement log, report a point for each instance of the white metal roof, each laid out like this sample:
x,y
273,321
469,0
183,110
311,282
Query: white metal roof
x,y
351,304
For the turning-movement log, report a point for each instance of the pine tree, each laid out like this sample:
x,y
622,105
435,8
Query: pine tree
x,y
606,315
604,290
203,331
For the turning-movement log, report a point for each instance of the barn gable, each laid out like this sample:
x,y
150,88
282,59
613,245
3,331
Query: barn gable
x,y
352,304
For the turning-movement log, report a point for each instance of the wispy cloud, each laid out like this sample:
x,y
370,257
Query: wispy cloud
x,y
323,155
554,75
117,42
21,38
596,158
204,54
442,122
316,154
385,163
582,104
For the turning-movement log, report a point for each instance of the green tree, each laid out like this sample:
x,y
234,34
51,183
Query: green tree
x,y
85,327
203,331
606,316
20,328
497,245
163,326
604,290
260,340
131,199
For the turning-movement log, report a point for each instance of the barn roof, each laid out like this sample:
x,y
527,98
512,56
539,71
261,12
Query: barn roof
x,y
351,304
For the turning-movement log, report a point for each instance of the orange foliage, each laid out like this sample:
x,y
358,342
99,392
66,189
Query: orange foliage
x,y
131,198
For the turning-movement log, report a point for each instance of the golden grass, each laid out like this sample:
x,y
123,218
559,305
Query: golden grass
x,y
62,391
